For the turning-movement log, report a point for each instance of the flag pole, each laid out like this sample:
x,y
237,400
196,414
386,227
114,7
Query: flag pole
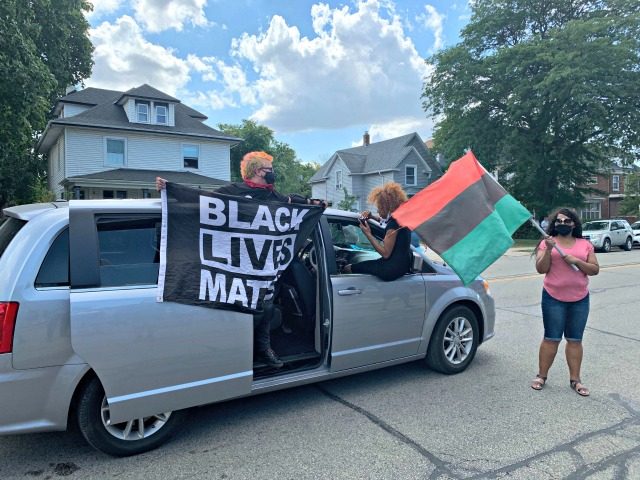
x,y
544,234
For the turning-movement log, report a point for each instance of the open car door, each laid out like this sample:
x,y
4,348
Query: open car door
x,y
150,357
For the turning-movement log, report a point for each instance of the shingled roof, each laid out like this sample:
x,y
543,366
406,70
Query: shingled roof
x,y
105,112
130,175
377,157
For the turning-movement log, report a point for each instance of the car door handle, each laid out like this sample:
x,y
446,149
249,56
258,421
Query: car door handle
x,y
350,291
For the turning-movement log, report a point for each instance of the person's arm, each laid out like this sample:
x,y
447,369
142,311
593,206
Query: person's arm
x,y
543,256
590,267
295,198
386,248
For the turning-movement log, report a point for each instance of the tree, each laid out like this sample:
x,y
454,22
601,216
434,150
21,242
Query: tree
x,y
292,176
630,204
546,92
347,202
43,48
254,138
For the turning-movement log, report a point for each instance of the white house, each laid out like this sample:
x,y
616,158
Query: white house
x,y
109,144
404,160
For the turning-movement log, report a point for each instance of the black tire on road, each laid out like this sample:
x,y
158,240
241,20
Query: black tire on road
x,y
628,245
152,431
454,341
606,246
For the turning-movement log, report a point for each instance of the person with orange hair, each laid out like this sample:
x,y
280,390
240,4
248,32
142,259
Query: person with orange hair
x,y
395,248
258,179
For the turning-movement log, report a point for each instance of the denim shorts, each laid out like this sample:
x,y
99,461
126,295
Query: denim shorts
x,y
568,318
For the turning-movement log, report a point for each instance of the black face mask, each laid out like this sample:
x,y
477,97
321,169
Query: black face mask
x,y
270,178
564,229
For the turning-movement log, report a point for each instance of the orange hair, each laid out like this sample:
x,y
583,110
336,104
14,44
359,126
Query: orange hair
x,y
252,162
388,197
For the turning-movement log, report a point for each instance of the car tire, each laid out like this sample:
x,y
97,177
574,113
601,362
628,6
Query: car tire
x,y
606,245
628,245
120,439
454,341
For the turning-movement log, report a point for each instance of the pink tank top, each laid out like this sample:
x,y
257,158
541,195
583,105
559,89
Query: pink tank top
x,y
561,281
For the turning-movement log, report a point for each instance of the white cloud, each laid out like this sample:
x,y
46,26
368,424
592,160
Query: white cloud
x,y
433,20
159,15
398,127
359,68
103,7
125,59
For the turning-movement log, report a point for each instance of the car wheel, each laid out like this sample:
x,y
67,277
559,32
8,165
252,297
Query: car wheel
x,y
606,245
122,439
454,341
628,244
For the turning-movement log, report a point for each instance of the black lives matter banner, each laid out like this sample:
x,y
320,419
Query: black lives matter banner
x,y
223,251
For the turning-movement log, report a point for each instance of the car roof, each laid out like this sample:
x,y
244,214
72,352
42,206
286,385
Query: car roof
x,y
31,210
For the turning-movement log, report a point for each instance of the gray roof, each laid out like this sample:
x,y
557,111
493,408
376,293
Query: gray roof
x,y
379,156
148,176
147,91
104,112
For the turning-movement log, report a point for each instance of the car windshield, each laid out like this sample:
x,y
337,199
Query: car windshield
x,y
349,236
636,226
9,227
595,226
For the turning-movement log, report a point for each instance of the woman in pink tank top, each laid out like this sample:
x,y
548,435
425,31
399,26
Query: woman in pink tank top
x,y
565,295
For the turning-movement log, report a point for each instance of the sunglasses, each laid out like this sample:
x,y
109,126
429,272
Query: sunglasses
x,y
266,169
566,221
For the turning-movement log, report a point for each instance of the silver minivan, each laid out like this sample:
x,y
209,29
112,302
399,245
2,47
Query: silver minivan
x,y
83,339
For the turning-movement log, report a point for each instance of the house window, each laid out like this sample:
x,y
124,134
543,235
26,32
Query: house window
x,y
142,112
591,211
592,180
410,175
121,194
615,183
161,113
338,179
107,194
115,152
190,155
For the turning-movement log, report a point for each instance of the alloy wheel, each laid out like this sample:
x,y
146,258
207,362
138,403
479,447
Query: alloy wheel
x,y
458,340
136,429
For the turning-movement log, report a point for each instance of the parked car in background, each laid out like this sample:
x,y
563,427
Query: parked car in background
x,y
83,338
604,234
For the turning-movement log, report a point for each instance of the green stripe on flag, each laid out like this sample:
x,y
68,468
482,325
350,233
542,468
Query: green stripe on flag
x,y
512,212
487,241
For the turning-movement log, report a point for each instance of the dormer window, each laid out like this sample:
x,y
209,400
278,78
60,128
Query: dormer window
x,y
142,112
161,113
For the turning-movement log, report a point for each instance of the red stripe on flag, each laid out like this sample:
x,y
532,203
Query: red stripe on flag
x,y
429,201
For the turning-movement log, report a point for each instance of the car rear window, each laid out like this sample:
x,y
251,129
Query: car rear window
x,y
9,227
129,250
54,271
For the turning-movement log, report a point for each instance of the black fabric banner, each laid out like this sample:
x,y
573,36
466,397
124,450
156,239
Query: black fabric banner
x,y
223,251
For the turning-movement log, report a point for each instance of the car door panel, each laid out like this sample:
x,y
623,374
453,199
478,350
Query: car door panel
x,y
150,357
380,321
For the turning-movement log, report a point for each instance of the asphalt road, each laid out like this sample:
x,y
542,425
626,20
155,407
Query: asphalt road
x,y
407,422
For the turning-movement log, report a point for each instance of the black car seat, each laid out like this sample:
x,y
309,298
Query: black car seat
x,y
299,294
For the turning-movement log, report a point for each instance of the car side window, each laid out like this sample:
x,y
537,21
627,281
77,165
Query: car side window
x,y
54,271
129,250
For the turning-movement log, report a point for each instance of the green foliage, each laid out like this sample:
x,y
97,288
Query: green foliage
x,y
630,204
546,92
347,202
40,192
292,176
43,48
255,138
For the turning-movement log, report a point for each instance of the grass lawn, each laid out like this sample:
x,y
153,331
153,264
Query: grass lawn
x,y
525,243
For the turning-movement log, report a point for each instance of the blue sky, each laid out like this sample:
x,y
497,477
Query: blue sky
x,y
318,73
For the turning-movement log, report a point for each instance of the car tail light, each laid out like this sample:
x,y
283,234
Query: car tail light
x,y
8,314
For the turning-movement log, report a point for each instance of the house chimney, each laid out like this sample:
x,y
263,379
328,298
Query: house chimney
x,y
366,139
